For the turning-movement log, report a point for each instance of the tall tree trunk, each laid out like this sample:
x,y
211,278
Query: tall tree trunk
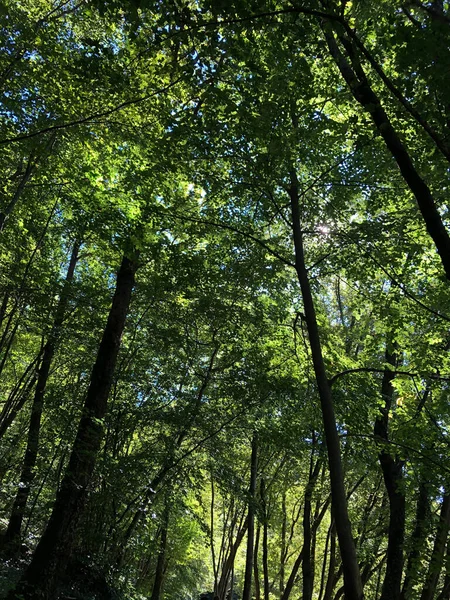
x,y
437,556
283,543
363,93
392,468
55,546
228,566
417,541
314,473
161,561
246,592
331,578
12,536
445,592
352,577
256,564
265,552
307,563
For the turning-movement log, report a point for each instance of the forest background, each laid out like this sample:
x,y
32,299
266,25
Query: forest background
x,y
224,299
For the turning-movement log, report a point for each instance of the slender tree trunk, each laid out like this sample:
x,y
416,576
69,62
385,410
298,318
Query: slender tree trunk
x,y
392,468
352,577
307,564
283,543
417,541
161,561
331,578
324,563
246,592
228,566
363,93
18,396
314,473
437,556
256,565
265,552
445,592
55,546
12,537
211,535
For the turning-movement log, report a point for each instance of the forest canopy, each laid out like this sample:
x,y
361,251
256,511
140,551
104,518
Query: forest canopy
x,y
224,299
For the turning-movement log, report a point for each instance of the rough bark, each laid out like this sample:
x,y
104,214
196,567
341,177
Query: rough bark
x,y
55,546
352,578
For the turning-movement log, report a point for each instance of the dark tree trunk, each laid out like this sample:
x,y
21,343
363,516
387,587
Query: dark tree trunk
x,y
314,473
56,544
352,577
445,592
161,561
417,541
437,556
247,591
363,93
331,578
392,468
12,537
283,544
307,563
228,567
256,564
265,552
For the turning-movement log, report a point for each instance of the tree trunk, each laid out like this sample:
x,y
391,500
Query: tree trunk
x,y
445,592
265,540
352,577
417,541
12,536
314,473
437,556
307,563
247,591
256,565
392,468
161,562
360,87
331,578
283,544
53,551
228,567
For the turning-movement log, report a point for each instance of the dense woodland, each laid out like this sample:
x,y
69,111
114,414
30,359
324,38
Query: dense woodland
x,y
224,299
